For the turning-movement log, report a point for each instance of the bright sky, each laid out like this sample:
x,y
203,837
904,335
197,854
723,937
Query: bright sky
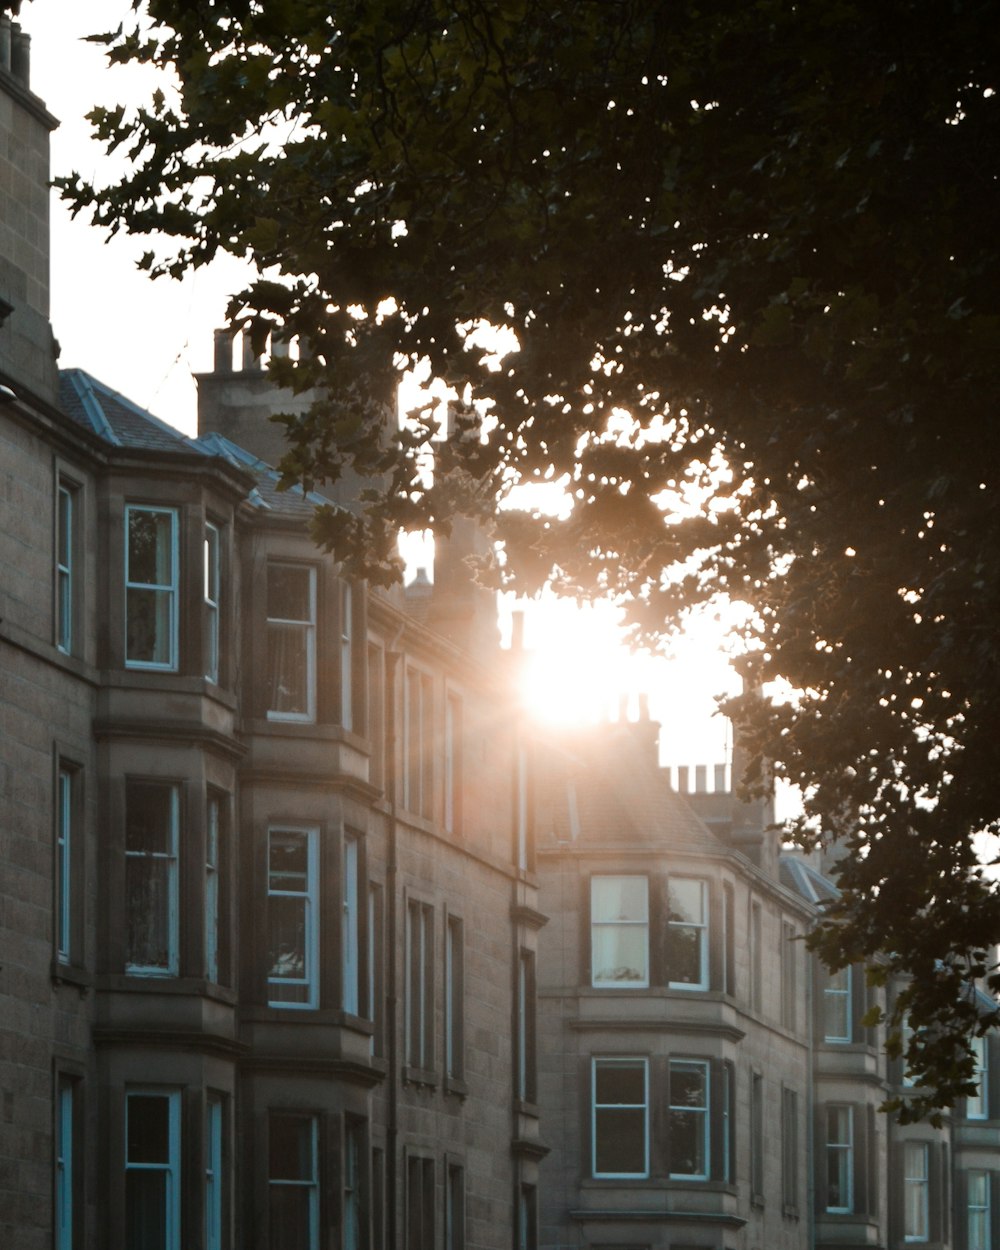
x,y
147,338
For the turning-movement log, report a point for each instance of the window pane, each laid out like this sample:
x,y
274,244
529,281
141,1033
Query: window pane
x,y
620,1146
620,1083
289,860
619,953
289,593
683,953
149,638
288,665
149,819
148,907
148,1129
618,899
290,1148
287,924
291,1217
146,1209
150,547
687,902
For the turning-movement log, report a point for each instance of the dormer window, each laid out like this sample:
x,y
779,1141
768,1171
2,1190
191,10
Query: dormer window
x,y
151,588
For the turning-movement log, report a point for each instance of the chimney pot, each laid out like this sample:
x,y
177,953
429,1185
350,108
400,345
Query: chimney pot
x,y
223,357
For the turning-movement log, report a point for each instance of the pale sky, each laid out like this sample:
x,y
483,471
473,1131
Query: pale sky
x,y
146,339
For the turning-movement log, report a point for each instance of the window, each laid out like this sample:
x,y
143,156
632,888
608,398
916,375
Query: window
x,y
837,1006
916,1192
353,1142
419,1203
840,1159
152,1170
419,737
376,966
293,1181
454,998
619,931
688,1107
789,1148
789,980
452,763
378,1198
978,1211
420,985
213,1173
346,656
756,1137
152,820
350,966
376,713
527,1217
66,497
977,1104
292,875
620,1119
65,1152
212,889
210,641
454,1208
756,971
729,938
687,934
906,1032
728,1128
66,851
523,848
151,588
291,642
526,1028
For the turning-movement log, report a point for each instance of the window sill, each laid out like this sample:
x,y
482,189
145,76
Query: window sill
x,y
789,1211
526,1107
420,1076
71,974
455,1085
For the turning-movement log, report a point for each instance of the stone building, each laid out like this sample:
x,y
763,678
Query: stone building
x,y
310,940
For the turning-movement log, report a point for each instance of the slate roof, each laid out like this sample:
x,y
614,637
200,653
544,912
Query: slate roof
x,y
806,881
116,420
615,791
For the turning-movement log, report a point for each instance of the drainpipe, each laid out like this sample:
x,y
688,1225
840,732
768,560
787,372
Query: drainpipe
x,y
392,658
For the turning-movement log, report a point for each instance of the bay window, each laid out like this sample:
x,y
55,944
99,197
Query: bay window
x,y
688,1115
291,642
293,1181
619,1118
687,934
152,1170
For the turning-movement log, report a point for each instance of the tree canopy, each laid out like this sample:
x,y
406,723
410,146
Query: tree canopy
x,y
749,256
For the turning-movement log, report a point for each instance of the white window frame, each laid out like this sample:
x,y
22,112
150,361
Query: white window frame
x,y
978,1210
170,1167
977,1105
346,655
308,629
310,910
699,927
65,780
452,759
168,589
212,550
632,1061
65,572
837,995
637,922
213,823
311,1182
352,1210
419,984
916,1190
840,1146
170,858
65,1116
214,1182
685,1109
454,959
350,934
